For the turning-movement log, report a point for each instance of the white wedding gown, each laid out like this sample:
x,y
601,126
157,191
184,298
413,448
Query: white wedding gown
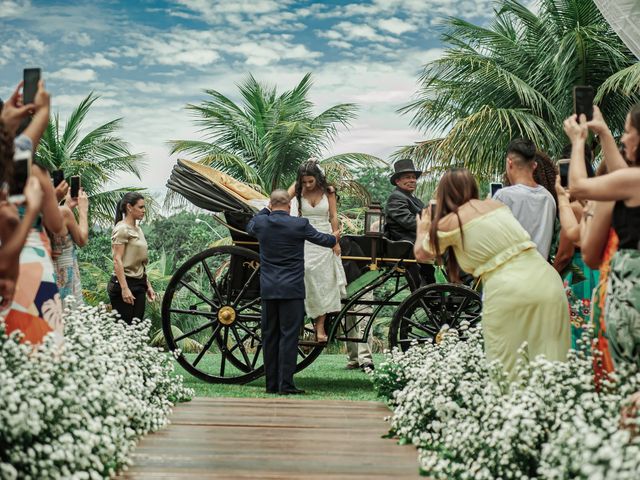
x,y
324,279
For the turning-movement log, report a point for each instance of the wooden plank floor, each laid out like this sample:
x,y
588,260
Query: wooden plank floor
x,y
241,438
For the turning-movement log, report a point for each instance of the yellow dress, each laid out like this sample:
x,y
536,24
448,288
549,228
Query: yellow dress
x,y
524,298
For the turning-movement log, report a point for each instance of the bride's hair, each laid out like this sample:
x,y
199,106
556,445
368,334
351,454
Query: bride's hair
x,y
311,168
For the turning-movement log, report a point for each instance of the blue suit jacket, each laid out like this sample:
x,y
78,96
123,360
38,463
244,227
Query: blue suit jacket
x,y
282,238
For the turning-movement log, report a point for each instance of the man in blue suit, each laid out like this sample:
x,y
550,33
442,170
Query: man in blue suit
x,y
282,238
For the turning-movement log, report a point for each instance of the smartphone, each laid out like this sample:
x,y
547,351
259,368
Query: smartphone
x,y
433,205
495,186
563,166
74,186
58,177
583,101
21,172
31,78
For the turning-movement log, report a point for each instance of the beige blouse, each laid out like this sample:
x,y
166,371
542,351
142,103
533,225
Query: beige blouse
x,y
135,256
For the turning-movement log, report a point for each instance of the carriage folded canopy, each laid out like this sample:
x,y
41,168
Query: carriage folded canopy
x,y
213,190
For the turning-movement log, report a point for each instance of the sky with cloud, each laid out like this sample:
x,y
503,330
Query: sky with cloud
x,y
147,59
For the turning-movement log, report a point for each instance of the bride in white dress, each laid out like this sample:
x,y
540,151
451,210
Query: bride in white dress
x,y
324,278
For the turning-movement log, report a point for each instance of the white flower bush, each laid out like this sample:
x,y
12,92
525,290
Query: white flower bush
x,y
468,422
77,413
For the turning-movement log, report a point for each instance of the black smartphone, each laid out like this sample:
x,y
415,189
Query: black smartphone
x,y
74,186
495,186
30,87
433,204
563,166
58,177
21,172
583,101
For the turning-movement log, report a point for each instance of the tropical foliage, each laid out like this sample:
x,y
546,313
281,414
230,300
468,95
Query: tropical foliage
x,y
99,157
263,139
514,78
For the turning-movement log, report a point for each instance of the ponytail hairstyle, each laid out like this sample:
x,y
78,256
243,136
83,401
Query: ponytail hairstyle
x,y
311,168
6,155
129,198
545,173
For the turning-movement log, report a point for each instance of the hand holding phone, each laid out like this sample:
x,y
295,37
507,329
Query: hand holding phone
x,y
74,183
583,101
58,177
494,187
30,87
563,166
21,173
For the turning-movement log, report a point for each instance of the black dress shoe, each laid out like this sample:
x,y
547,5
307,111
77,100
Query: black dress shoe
x,y
273,392
292,391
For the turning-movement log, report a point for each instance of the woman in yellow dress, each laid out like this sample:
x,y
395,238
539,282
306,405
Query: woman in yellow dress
x,y
524,298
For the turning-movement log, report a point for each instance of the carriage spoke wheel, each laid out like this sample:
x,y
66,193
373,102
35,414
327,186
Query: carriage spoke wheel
x,y
211,313
430,311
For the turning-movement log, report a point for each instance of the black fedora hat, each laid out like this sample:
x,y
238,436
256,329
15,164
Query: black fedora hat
x,y
404,165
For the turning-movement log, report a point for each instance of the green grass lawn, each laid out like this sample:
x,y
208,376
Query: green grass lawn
x,y
324,379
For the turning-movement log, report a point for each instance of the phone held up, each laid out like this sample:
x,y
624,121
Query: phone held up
x,y
563,166
74,186
494,187
58,177
31,77
583,101
432,207
21,172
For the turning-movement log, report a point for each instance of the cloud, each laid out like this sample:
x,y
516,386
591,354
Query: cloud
x,y
81,39
13,8
74,74
272,51
395,25
97,61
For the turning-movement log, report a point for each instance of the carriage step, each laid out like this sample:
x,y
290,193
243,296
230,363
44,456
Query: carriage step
x,y
359,314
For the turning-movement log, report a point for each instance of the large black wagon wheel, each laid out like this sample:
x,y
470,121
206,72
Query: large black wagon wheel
x,y
211,312
430,310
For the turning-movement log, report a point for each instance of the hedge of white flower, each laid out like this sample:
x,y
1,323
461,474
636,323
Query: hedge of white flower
x,y
469,423
78,414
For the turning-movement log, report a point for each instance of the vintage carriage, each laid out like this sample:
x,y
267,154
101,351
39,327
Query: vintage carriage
x,y
213,299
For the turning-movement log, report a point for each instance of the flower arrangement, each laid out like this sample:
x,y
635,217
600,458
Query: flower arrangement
x,y
77,412
469,422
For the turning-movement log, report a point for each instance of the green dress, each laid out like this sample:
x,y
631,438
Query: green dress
x,y
524,299
580,292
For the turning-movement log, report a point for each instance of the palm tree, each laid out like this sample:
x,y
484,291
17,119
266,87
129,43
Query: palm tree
x,y
514,78
262,140
99,156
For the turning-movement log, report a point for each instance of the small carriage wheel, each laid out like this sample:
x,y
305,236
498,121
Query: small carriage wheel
x,y
430,310
211,312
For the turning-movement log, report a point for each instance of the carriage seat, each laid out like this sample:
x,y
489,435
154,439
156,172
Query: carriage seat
x,y
386,248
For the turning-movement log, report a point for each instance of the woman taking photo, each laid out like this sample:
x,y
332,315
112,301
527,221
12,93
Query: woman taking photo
x,y
65,257
129,284
524,299
324,277
36,309
622,186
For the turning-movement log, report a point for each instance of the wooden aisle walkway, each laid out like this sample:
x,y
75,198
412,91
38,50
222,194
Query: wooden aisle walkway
x,y
241,438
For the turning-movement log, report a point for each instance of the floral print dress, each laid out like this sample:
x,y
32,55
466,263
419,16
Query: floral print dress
x,y
37,308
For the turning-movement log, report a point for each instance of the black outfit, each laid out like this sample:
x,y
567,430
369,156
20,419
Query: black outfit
x,y
138,287
281,239
400,215
626,223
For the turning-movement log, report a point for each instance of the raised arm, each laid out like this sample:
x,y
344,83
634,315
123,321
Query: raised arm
x,y
51,216
422,248
619,185
40,118
79,230
613,159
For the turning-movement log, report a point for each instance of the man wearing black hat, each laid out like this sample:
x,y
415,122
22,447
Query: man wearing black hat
x,y
401,210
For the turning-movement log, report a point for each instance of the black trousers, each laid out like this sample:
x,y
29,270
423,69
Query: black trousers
x,y
422,274
281,322
138,287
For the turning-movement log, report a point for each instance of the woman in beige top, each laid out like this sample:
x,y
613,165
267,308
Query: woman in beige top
x,y
129,284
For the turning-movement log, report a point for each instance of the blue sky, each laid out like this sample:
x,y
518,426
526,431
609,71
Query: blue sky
x,y
148,59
